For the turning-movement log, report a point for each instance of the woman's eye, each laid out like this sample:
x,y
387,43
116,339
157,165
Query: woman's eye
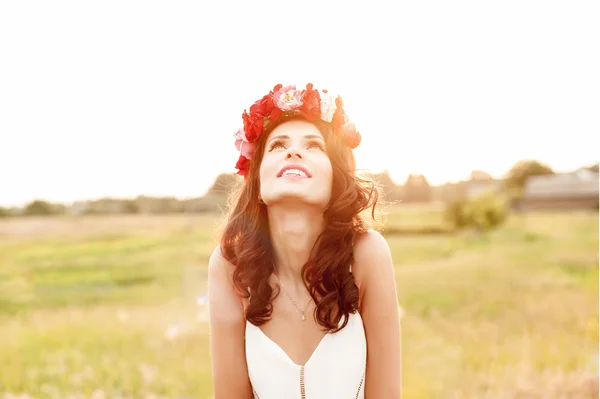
x,y
316,144
276,145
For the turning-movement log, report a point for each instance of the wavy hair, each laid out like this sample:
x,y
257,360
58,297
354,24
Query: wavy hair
x,y
246,244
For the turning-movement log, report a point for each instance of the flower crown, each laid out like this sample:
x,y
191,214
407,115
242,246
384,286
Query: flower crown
x,y
288,101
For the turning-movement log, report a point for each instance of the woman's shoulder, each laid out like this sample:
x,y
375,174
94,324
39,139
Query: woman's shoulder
x,y
219,268
225,302
372,256
369,243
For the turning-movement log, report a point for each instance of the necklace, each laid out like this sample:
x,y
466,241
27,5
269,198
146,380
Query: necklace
x,y
294,302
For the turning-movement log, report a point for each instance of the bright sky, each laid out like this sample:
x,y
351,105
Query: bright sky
x,y
120,98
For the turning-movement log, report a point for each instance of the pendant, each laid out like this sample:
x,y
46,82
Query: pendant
x,y
302,316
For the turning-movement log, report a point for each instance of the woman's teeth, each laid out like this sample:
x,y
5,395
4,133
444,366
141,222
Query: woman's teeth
x,y
294,172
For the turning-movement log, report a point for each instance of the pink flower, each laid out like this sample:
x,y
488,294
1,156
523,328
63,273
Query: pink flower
x,y
243,146
287,98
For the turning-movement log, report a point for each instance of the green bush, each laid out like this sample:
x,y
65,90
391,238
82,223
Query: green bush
x,y
43,208
482,213
455,213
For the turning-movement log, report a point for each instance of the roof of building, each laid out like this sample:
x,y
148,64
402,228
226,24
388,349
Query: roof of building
x,y
583,183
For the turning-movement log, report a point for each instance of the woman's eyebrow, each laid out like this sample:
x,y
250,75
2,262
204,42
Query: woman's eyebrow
x,y
308,136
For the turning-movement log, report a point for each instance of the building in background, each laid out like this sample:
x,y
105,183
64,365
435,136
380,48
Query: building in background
x,y
576,190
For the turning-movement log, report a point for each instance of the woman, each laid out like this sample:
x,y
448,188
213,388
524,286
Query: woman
x,y
302,295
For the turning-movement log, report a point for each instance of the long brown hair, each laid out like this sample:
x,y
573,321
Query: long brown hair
x,y
246,243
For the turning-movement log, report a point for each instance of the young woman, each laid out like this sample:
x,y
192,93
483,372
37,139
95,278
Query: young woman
x,y
302,295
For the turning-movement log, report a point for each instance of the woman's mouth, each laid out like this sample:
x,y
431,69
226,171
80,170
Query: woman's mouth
x,y
294,172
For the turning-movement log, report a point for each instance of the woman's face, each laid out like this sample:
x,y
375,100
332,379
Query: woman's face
x,y
295,165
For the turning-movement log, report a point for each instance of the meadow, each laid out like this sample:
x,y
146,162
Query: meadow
x,y
114,306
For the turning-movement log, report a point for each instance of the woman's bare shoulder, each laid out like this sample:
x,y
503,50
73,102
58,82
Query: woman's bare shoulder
x,y
219,267
225,304
371,255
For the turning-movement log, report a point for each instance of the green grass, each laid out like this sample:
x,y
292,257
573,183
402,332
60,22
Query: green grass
x,y
105,307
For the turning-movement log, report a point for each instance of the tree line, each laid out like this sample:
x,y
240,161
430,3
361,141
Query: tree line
x,y
415,189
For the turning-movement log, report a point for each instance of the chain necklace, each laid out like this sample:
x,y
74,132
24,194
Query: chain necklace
x,y
294,302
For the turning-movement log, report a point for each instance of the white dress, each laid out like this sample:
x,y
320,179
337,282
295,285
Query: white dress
x,y
335,370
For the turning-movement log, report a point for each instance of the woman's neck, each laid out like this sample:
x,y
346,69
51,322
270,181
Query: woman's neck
x,y
293,233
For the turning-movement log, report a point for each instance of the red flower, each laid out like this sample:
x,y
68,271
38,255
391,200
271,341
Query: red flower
x,y
311,108
339,117
242,165
275,114
263,106
253,125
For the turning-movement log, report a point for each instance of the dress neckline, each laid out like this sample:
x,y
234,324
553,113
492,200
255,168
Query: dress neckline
x,y
284,353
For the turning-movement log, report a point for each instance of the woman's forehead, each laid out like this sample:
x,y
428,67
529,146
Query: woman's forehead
x,y
296,129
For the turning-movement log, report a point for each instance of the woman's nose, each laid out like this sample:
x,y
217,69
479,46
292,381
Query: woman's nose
x,y
293,152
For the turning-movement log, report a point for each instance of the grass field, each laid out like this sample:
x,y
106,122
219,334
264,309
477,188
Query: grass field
x,y
114,307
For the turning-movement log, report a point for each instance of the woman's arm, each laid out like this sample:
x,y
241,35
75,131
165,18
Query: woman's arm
x,y
374,273
227,329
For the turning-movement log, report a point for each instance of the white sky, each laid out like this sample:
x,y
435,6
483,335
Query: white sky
x,y
120,98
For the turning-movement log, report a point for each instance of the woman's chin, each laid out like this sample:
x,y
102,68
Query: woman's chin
x,y
297,197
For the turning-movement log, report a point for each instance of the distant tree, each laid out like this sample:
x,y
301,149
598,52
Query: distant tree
x,y
480,175
594,167
164,205
522,170
451,191
384,179
416,189
152,205
224,183
391,191
130,206
40,207
4,212
59,209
